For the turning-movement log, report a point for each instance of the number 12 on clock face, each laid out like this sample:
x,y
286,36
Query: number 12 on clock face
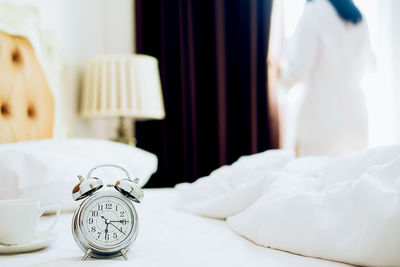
x,y
109,221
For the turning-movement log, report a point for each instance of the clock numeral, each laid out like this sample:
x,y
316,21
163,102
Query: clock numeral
x,y
110,208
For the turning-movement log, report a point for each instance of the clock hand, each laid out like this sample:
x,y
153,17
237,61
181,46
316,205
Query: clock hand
x,y
107,222
117,228
120,221
106,231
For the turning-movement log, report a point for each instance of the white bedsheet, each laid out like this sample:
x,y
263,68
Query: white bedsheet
x,y
168,237
345,209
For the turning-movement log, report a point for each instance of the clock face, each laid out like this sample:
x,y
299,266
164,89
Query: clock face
x,y
107,221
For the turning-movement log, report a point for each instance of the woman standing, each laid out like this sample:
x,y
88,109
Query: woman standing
x,y
329,53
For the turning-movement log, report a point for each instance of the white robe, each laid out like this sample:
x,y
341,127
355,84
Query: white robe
x,y
329,56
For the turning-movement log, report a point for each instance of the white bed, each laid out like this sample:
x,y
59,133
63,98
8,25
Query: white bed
x,y
167,237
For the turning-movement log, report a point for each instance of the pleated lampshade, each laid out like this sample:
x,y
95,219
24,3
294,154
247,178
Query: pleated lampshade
x,y
122,86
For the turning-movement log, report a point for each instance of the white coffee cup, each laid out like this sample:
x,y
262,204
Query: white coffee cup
x,y
19,220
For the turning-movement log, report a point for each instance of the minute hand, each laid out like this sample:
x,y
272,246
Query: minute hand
x,y
117,228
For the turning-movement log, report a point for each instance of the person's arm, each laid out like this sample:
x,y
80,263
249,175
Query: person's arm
x,y
367,53
301,52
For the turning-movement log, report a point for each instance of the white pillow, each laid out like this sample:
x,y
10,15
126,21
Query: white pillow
x,y
47,169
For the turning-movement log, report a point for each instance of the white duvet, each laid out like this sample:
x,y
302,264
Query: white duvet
x,y
345,209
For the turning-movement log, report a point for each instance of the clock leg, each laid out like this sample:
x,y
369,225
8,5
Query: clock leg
x,y
87,254
123,253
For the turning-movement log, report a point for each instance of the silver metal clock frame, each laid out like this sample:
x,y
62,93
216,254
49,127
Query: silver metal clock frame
x,y
95,250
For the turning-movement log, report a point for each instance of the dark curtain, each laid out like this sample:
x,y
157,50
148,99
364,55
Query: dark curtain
x,y
212,58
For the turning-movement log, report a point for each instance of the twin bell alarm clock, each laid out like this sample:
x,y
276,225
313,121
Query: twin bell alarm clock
x,y
106,223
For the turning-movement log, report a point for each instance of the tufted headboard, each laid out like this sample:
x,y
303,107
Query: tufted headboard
x,y
26,103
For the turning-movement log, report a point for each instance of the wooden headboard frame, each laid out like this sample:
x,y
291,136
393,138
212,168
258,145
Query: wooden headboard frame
x,y
26,102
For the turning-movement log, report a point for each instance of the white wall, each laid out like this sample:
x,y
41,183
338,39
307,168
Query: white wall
x,y
395,31
83,29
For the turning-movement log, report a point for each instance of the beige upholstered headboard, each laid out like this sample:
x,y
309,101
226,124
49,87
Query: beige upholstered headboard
x,y
26,103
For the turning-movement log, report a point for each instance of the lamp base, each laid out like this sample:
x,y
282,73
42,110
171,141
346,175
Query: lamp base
x,y
122,134
129,140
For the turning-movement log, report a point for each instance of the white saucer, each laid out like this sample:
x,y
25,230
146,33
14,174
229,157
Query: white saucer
x,y
36,244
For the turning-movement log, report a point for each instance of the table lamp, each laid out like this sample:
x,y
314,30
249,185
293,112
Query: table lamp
x,y
123,86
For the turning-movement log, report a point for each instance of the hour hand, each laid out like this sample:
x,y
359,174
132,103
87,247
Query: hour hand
x,y
106,220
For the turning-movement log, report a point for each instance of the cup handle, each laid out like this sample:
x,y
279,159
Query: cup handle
x,y
43,210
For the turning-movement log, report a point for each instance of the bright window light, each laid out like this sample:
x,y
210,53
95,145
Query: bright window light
x,y
378,85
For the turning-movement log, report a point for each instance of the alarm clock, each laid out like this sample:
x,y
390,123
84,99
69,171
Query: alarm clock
x,y
106,223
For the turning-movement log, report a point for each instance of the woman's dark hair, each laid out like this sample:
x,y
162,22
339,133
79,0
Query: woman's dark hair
x,y
347,10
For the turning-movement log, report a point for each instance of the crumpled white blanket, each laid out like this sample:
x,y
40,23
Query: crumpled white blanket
x,y
344,209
